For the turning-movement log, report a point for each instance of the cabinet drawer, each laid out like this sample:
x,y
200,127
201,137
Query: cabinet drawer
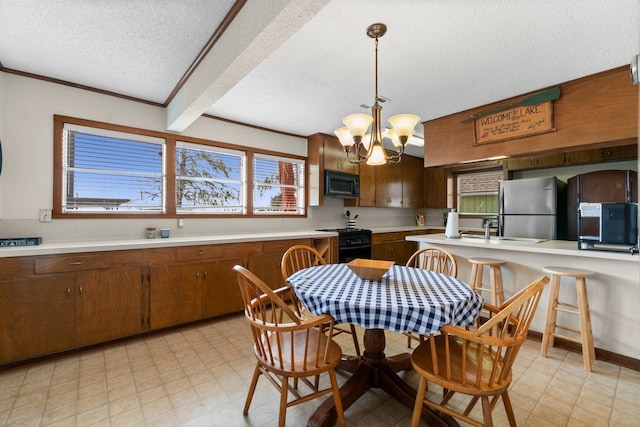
x,y
194,253
283,245
67,263
388,237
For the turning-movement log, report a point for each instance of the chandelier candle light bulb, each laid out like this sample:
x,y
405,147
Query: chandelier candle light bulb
x,y
354,137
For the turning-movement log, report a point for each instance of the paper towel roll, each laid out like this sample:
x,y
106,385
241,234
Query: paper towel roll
x,y
451,231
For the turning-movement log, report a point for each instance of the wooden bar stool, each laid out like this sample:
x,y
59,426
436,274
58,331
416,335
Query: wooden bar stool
x,y
495,273
581,310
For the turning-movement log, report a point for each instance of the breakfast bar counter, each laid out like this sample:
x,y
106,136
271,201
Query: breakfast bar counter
x,y
614,290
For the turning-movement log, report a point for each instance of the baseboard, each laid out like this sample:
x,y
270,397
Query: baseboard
x,y
604,355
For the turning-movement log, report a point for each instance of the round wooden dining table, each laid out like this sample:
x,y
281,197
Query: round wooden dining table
x,y
406,299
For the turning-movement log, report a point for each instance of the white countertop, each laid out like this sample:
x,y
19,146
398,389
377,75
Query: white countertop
x,y
142,243
557,247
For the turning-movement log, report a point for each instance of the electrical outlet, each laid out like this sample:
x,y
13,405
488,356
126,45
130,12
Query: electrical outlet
x,y
180,223
45,215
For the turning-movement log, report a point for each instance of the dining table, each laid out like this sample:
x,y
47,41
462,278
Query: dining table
x,y
405,299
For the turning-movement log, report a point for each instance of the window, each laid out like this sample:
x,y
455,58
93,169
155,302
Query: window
x,y
209,179
107,171
478,192
278,185
111,172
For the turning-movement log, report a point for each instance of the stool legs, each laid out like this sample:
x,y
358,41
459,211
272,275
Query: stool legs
x,y
495,274
552,313
551,325
588,349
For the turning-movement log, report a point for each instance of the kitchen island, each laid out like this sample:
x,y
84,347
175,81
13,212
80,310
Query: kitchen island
x,y
614,290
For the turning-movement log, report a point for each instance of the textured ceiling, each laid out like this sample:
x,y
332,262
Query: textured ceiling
x,y
310,65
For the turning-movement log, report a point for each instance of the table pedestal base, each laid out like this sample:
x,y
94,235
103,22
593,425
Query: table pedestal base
x,y
375,370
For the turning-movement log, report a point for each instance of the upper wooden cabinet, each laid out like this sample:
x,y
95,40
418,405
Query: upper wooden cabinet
x,y
536,162
397,185
591,110
597,155
324,153
435,188
573,158
412,182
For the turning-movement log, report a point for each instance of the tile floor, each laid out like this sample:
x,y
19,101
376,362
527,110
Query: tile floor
x,y
199,376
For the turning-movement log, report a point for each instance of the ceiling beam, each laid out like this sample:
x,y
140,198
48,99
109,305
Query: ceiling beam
x,y
259,28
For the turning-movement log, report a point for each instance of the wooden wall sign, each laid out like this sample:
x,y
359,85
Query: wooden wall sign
x,y
515,122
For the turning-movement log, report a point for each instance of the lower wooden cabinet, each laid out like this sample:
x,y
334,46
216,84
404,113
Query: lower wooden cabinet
x,y
175,294
393,246
266,263
108,305
49,304
51,313
36,317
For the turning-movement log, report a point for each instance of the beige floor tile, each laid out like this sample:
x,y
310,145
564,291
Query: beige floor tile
x,y
199,376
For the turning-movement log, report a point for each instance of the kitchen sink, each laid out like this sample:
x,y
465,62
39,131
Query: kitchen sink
x,y
511,239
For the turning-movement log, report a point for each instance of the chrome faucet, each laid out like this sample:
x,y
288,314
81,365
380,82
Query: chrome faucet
x,y
487,230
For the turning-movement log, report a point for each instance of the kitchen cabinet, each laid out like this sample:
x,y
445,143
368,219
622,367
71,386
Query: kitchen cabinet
x,y
435,188
412,182
266,263
393,246
36,316
199,284
107,305
66,302
536,162
324,152
50,304
598,155
389,185
393,185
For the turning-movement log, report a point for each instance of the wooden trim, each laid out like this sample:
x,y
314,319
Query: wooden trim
x,y
79,86
604,355
170,140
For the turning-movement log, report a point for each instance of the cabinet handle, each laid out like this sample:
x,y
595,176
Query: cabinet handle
x,y
68,292
81,290
204,274
197,274
76,263
201,253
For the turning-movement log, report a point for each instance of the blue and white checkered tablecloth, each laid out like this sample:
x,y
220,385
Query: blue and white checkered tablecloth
x,y
405,299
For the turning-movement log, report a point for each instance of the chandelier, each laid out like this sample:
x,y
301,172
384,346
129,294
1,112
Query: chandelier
x,y
366,147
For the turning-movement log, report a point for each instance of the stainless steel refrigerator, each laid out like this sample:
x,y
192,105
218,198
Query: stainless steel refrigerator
x,y
534,208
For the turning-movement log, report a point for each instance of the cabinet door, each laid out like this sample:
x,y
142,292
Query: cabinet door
x,y
335,158
220,292
435,188
108,305
266,265
536,162
367,185
175,294
412,182
389,185
36,316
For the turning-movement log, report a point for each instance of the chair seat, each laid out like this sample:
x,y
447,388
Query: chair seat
x,y
314,344
461,382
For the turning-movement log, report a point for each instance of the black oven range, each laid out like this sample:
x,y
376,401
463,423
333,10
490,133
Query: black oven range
x,y
352,243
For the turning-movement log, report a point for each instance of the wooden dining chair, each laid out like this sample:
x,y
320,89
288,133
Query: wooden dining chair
x,y
435,259
298,257
288,346
476,362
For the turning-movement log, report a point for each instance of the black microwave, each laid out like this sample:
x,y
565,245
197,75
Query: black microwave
x,y
341,184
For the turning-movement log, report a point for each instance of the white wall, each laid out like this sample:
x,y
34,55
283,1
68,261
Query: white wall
x,y
27,107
